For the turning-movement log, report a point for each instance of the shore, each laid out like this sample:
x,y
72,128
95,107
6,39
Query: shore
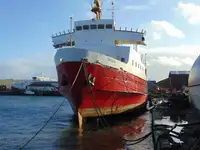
x,y
5,93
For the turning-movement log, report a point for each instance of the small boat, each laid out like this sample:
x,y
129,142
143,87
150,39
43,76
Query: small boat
x,y
27,92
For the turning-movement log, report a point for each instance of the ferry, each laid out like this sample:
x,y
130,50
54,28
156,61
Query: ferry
x,y
38,84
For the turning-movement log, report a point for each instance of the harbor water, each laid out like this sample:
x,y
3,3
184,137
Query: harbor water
x,y
22,116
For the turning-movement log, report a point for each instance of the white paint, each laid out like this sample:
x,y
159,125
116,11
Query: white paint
x,y
98,46
194,83
29,92
97,37
166,121
76,54
26,84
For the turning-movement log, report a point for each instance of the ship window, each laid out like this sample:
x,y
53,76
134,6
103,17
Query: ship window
x,y
135,64
132,62
78,28
109,26
85,27
101,26
123,59
93,26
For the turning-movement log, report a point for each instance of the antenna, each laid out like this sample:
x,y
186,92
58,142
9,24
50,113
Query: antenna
x,y
113,10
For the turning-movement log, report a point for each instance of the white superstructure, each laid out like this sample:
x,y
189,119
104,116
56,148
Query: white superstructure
x,y
99,41
40,80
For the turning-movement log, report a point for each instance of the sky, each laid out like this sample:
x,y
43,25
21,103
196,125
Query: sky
x,y
26,26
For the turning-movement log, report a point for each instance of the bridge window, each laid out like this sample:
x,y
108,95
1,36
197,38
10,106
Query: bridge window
x,y
101,26
78,28
86,27
93,26
109,26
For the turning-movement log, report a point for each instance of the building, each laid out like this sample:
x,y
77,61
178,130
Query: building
x,y
6,82
176,80
152,85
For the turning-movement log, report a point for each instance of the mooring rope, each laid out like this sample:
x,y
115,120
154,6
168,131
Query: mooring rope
x,y
97,109
24,145
75,79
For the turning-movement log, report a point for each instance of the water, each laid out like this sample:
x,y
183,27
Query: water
x,y
21,117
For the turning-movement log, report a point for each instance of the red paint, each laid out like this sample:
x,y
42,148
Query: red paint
x,y
112,87
133,129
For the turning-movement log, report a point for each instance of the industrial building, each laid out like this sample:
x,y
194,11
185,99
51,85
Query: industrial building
x,y
176,80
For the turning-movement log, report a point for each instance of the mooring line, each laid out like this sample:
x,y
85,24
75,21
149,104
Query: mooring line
x,y
23,146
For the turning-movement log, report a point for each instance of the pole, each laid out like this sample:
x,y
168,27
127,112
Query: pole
x,y
71,31
113,9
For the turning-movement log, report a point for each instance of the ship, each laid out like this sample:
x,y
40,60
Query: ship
x,y
38,85
100,70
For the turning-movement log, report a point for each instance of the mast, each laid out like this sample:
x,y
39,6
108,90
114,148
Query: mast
x,y
71,31
113,9
97,9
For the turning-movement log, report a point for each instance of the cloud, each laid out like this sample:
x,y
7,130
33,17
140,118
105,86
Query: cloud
x,y
137,7
188,61
161,64
160,27
26,67
190,11
156,36
191,50
172,61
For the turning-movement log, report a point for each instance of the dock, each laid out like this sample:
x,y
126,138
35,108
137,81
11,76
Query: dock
x,y
13,93
175,124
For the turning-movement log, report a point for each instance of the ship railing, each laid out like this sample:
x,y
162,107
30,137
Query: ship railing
x,y
65,44
143,32
62,33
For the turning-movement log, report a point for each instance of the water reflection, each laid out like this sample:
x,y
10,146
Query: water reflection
x,y
92,138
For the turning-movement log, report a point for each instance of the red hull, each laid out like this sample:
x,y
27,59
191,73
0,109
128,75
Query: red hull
x,y
114,91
